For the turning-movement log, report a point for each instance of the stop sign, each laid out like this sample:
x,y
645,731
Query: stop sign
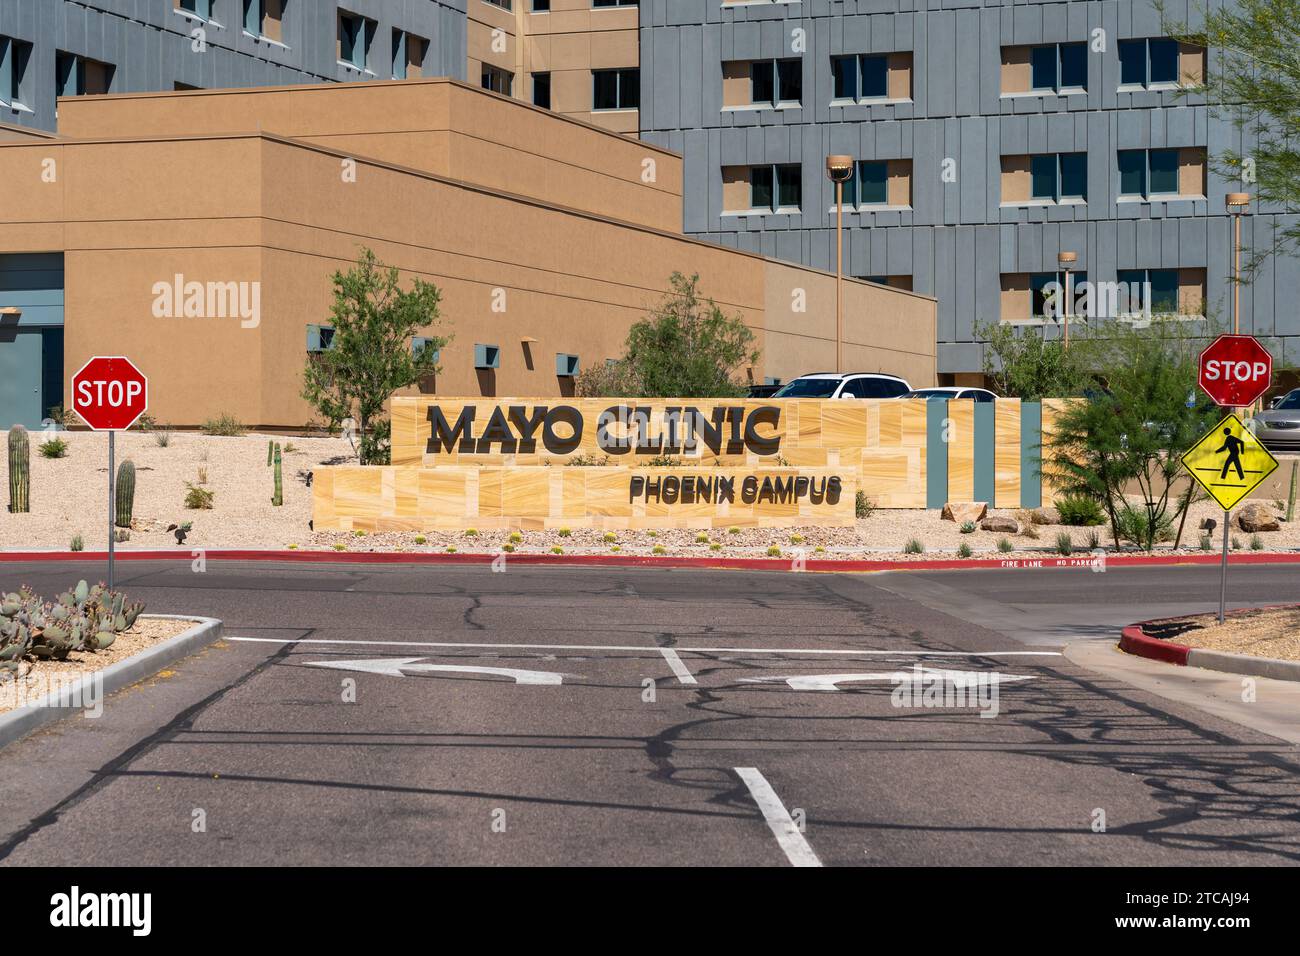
x,y
109,393
1235,370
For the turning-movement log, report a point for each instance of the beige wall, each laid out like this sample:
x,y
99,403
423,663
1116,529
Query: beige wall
x,y
898,188
1017,181
899,76
1191,64
21,133
1191,171
1016,297
1191,291
735,188
1017,77
436,125
736,87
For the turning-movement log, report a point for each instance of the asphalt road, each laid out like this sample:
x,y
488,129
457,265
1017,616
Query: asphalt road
x,y
673,735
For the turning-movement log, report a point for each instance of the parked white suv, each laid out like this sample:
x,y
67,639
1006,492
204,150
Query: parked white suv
x,y
844,385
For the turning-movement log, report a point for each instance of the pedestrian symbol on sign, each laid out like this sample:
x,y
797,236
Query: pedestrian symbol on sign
x,y
1233,446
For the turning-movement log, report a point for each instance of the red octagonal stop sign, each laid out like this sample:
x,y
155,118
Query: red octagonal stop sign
x,y
1235,370
109,393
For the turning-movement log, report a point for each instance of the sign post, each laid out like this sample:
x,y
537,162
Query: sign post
x,y
109,394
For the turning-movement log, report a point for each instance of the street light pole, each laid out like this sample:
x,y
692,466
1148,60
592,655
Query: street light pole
x,y
839,169
1066,260
1236,203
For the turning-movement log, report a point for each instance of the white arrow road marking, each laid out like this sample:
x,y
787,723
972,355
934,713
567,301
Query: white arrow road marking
x,y
681,670
396,666
831,681
787,834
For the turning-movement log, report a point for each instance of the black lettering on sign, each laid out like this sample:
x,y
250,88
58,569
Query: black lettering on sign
x,y
527,426
442,436
635,488
726,488
749,489
763,444
615,414
708,431
553,442
497,432
833,490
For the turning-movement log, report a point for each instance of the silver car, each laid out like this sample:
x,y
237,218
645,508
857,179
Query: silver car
x,y
1279,427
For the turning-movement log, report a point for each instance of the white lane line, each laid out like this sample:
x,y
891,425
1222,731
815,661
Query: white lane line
x,y
397,666
845,652
681,670
923,675
796,848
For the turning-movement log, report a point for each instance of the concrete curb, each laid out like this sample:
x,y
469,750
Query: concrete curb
x,y
861,565
21,721
1134,640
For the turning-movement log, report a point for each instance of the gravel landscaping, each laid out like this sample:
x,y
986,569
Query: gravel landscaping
x,y
69,497
1265,632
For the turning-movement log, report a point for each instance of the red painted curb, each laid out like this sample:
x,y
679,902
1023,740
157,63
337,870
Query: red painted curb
x,y
1080,561
1134,640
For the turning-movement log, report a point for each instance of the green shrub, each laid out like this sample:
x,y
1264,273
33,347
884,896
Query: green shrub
x,y
733,530
913,546
55,447
1206,543
225,425
589,460
715,546
862,505
77,543
796,539
615,547
516,537
819,550
1005,545
1064,543
565,533
1094,540
664,461
162,438
658,549
420,539
963,550
701,538
968,527
451,549
652,533
610,537
774,552
1236,543
198,498
1256,543
1134,525
1080,511
471,532
556,549
358,533
340,546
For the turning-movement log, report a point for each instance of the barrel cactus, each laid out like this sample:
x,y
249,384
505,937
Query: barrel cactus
x,y
19,470
278,498
125,494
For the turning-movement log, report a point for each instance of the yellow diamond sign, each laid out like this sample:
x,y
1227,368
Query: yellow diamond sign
x,y
1229,462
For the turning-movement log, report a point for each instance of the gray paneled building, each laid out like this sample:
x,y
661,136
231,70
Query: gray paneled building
x,y
990,136
50,48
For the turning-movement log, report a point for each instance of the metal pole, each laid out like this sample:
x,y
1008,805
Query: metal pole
x,y
1067,309
112,508
839,276
1223,576
1236,280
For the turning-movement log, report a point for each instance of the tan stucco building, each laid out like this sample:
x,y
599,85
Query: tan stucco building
x,y
547,235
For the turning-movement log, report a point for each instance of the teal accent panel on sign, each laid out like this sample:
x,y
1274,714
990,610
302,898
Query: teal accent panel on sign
x,y
1031,437
936,454
985,458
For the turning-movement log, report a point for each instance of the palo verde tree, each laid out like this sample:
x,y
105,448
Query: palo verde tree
x,y
1252,79
1131,434
686,348
1024,363
370,355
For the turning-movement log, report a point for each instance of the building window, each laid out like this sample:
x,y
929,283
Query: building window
x,y
541,6
14,57
881,76
264,18
320,338
616,89
879,182
1046,177
542,90
1153,62
1163,291
1152,173
776,82
503,4
80,76
355,36
1043,299
893,281
497,80
200,8
408,55
776,188
613,3
1046,68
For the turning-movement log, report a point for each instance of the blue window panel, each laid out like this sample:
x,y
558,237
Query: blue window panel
x,y
875,77
1133,62
1164,171
1131,291
566,366
844,77
875,179
1042,60
1042,173
1164,61
936,454
789,186
851,191
762,83
319,338
789,81
399,55
1132,172
487,356
253,16
762,191
1074,176
1074,66
1164,290
1031,468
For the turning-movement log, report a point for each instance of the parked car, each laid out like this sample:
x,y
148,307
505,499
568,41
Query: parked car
x,y
1279,427
844,385
762,391
950,391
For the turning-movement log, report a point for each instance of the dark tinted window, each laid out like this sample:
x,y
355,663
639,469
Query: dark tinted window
x,y
1133,62
1043,64
761,187
844,77
789,186
1164,290
1164,61
1290,400
1164,170
1043,174
875,76
881,387
874,176
808,388
1074,175
789,81
1074,65
762,82
1132,172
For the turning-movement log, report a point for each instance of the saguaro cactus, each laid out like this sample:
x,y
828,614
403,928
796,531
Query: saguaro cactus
x,y
20,475
278,498
270,447
125,493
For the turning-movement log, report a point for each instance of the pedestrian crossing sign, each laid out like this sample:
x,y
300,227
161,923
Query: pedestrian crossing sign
x,y
1229,462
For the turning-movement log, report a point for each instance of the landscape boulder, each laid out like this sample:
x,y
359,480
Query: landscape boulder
x,y
1004,523
1256,517
963,511
1046,515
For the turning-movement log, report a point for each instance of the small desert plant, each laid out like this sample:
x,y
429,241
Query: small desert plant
x,y
556,549
508,548
198,498
121,535
471,532
55,447
862,505
664,461
615,547
968,527
652,533
913,546
1064,543
77,544
1005,545
1094,539
203,475
733,530
565,533
609,537
715,546
1133,526
358,533
819,550
516,537
293,547
340,546
1236,543
796,539
1206,543
203,452
774,552
421,539
224,425
451,549
701,538
1080,510
963,550
1256,543
589,460
288,447
162,438
1027,526
658,549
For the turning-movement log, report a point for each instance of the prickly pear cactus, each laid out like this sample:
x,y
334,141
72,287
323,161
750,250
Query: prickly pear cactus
x,y
125,500
20,475
83,618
